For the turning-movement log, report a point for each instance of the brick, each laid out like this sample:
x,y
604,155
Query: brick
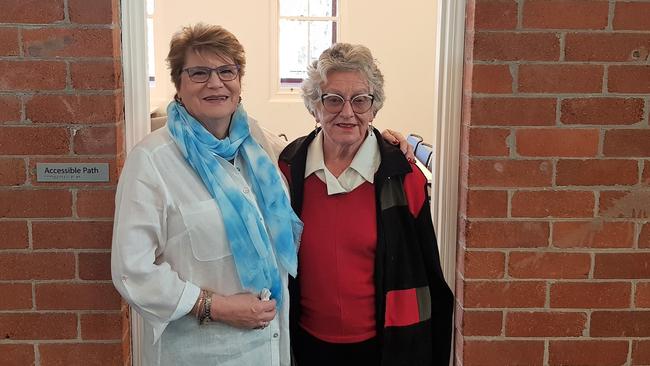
x,y
9,42
68,42
13,235
557,142
73,109
31,11
37,266
81,354
509,173
96,203
482,323
34,141
93,11
640,352
512,112
505,46
630,204
72,234
20,296
528,234
95,266
642,295
627,143
487,203
503,353
488,142
560,78
492,79
620,324
492,294
12,172
483,265
19,326
28,204
32,75
607,47
95,141
593,234
566,14
644,236
622,265
545,324
590,295
17,354
9,109
567,204
588,352
596,172
495,14
101,326
629,79
548,265
96,75
632,16
77,296
602,111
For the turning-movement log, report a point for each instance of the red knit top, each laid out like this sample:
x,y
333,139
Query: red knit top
x,y
336,263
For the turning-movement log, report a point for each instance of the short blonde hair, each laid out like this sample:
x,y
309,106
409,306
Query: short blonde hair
x,y
202,37
343,57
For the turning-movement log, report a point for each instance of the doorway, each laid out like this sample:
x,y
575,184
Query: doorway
x,y
442,124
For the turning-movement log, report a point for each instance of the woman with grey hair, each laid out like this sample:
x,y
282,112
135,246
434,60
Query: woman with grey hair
x,y
369,289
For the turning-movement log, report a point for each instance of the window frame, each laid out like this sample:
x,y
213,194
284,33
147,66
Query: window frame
x,y
279,92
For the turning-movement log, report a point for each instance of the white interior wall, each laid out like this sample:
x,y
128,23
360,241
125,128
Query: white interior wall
x,y
401,36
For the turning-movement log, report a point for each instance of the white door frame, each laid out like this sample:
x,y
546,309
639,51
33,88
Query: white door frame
x,y
447,111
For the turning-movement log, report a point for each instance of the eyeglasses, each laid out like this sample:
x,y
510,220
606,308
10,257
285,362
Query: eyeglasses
x,y
334,103
201,74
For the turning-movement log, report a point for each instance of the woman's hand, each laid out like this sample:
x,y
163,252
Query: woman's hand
x,y
396,138
243,310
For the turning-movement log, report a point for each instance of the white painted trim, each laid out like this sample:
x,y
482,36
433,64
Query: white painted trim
x,y
136,78
450,44
447,111
136,109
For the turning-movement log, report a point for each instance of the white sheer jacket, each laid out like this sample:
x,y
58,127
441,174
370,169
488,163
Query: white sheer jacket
x,y
168,243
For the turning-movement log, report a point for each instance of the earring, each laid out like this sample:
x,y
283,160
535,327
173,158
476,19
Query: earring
x,y
370,130
178,99
316,126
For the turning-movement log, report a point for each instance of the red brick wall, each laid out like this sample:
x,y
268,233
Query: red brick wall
x,y
60,101
554,259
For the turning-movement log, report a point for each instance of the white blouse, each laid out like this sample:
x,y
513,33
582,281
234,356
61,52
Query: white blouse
x,y
169,242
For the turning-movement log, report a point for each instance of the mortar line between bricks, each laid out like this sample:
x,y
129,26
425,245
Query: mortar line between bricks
x,y
64,312
66,12
520,14
594,32
546,352
562,39
61,341
533,62
63,58
64,92
555,338
552,95
611,11
57,26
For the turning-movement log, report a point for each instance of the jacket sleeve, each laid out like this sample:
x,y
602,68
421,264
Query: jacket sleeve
x,y
442,301
153,289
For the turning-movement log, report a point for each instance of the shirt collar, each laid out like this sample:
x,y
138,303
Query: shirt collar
x,y
364,165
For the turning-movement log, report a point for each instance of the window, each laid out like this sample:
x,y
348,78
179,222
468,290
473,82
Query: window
x,y
306,28
151,64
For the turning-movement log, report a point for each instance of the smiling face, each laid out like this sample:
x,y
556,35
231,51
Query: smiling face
x,y
212,102
346,129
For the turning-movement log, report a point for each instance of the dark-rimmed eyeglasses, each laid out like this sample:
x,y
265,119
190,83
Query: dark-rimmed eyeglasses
x,y
334,103
201,74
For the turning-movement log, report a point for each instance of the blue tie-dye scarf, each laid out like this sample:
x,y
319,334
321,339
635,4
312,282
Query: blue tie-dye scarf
x,y
253,239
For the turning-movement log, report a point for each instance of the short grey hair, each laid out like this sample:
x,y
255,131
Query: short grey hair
x,y
343,57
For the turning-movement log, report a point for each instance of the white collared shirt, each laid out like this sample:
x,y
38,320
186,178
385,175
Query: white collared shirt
x,y
169,241
362,169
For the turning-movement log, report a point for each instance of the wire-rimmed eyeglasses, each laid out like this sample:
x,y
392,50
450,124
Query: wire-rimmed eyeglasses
x,y
201,74
334,103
